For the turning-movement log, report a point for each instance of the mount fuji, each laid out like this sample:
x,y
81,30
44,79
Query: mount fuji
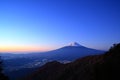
x,y
70,52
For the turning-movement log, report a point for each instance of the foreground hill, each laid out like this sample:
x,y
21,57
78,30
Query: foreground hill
x,y
98,67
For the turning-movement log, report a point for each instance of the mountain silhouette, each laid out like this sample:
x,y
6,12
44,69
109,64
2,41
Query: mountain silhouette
x,y
96,67
70,52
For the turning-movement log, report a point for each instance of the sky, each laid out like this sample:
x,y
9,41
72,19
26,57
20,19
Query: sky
x,y
40,25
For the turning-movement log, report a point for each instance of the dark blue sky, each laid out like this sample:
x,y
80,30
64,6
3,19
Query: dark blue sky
x,y
49,24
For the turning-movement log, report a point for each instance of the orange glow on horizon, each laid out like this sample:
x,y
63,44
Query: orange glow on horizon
x,y
23,48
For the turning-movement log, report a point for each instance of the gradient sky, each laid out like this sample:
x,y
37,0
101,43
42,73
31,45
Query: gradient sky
x,y
38,25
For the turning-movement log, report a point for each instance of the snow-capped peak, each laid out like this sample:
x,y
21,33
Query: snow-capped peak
x,y
74,44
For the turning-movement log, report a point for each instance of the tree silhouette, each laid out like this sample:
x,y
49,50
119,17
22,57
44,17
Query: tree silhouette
x,y
2,76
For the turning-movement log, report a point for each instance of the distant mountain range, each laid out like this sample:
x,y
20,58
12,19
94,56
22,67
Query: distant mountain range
x,y
96,67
